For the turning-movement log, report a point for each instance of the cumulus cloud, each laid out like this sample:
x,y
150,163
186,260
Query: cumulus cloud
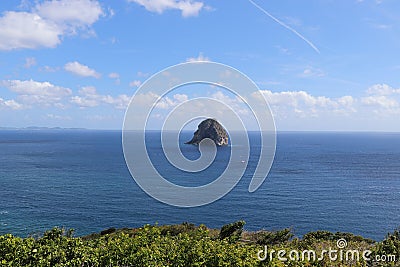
x,y
167,102
81,70
346,101
164,105
46,23
89,97
288,107
200,58
188,8
146,99
10,104
296,98
302,103
31,87
295,104
33,92
70,14
27,30
234,102
382,89
380,101
383,99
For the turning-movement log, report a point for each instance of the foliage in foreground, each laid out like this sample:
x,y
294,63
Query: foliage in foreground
x,y
184,245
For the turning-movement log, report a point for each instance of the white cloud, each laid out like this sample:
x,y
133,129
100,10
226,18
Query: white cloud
x,y
296,98
167,102
384,99
29,62
33,92
200,58
46,23
89,97
234,102
163,103
346,101
31,87
301,103
81,70
135,83
70,14
119,102
146,99
181,97
84,102
11,104
380,101
27,30
382,89
188,8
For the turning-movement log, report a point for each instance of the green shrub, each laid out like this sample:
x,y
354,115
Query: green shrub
x,y
178,246
272,238
232,231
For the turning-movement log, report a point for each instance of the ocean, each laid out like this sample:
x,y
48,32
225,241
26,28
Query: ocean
x,y
348,182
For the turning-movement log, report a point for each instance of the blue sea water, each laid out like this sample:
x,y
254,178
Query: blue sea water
x,y
78,179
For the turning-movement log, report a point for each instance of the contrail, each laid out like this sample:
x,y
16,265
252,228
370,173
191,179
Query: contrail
x,y
286,26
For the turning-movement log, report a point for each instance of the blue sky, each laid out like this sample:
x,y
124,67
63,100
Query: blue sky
x,y
321,64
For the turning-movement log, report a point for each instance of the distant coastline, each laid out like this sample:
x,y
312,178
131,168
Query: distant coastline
x,y
41,128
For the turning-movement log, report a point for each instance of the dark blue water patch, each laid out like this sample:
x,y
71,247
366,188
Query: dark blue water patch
x,y
78,179
191,152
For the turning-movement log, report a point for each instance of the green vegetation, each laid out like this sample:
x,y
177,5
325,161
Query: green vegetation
x,y
189,245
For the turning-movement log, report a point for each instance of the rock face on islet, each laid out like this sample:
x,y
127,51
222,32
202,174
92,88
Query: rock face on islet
x,y
210,128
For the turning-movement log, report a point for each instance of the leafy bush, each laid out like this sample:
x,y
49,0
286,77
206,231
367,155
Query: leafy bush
x,y
178,228
232,231
389,247
177,245
271,238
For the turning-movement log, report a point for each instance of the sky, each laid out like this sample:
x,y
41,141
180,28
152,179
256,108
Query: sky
x,y
322,65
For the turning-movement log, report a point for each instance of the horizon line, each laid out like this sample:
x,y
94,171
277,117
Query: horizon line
x,y
57,128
